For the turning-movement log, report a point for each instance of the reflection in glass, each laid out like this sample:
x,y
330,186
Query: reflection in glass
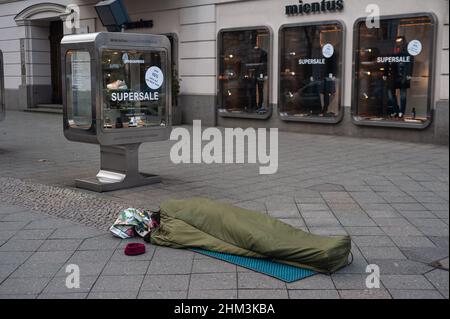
x,y
243,73
393,70
134,89
310,70
79,99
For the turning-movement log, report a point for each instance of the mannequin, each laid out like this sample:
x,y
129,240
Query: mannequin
x,y
329,89
256,71
398,76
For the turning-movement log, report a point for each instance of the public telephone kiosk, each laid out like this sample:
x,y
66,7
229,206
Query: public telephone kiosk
x,y
117,93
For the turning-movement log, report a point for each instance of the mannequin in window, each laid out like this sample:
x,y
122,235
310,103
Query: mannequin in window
x,y
329,89
256,72
398,76
329,85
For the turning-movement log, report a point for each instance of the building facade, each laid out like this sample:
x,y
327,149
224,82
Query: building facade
x,y
326,67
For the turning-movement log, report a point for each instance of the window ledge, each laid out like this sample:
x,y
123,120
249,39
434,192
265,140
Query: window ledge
x,y
388,123
244,115
315,119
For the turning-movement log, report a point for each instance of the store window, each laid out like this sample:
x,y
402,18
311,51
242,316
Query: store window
x,y
311,72
134,89
244,73
393,71
78,84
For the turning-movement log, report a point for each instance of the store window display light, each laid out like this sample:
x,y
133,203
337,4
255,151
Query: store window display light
x,y
114,16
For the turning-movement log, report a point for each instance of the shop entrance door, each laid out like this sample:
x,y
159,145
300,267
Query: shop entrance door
x,y
56,34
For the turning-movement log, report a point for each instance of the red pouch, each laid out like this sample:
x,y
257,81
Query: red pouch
x,y
133,249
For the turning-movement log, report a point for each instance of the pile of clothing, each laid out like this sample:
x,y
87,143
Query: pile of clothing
x,y
133,222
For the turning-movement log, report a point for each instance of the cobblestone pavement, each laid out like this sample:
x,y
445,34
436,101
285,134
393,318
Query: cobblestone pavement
x,y
391,197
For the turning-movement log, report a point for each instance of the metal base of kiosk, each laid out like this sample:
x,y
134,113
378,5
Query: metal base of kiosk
x,y
118,170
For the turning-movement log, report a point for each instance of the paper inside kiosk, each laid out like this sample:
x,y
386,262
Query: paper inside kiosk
x,y
116,94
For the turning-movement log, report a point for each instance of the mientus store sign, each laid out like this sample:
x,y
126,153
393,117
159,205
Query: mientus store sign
x,y
315,7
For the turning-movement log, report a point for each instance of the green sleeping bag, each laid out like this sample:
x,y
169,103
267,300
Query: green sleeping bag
x,y
210,225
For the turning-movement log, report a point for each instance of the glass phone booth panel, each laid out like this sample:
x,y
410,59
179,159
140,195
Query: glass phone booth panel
x,y
78,84
134,89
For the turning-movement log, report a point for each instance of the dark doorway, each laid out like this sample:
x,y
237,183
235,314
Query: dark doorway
x,y
174,58
56,34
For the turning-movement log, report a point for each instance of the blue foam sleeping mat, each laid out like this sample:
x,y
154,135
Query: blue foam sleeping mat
x,y
286,273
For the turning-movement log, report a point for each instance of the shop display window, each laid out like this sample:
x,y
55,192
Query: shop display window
x,y
311,72
244,73
78,84
392,78
133,89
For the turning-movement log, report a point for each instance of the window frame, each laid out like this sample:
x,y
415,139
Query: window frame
x,y
319,120
431,82
269,74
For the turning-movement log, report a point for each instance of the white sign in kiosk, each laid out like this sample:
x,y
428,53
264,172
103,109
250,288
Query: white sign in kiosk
x,y
117,93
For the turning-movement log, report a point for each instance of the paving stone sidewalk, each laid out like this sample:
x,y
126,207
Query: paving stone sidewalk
x,y
391,197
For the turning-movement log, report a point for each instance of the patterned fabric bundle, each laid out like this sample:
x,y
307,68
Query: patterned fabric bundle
x,y
131,222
